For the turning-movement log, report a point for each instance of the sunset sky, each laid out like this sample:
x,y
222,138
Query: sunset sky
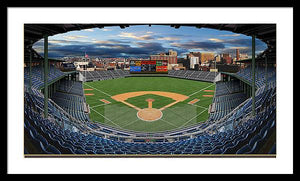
x,y
141,41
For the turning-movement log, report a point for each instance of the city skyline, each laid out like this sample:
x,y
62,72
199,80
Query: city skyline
x,y
142,41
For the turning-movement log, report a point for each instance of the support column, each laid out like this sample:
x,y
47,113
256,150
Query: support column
x,y
46,76
253,75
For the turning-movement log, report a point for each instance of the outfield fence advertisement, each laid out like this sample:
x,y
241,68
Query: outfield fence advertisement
x,y
148,66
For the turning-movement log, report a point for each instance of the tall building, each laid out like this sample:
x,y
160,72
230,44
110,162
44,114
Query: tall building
x,y
194,61
218,58
203,57
171,56
193,54
226,58
237,54
243,56
206,56
172,53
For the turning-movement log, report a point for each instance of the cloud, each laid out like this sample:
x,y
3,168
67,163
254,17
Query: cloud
x,y
132,35
110,41
74,37
90,30
153,47
109,48
216,40
103,42
240,48
259,45
56,41
231,35
105,29
207,46
168,38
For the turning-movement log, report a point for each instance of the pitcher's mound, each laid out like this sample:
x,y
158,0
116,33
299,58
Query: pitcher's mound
x,y
149,114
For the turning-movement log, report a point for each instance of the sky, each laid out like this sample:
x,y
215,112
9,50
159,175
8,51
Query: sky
x,y
141,41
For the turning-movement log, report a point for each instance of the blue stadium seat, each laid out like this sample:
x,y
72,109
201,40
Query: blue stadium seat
x,y
42,140
216,151
79,151
273,149
68,146
52,150
244,149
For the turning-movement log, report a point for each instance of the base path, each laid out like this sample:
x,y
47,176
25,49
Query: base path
x,y
150,102
149,114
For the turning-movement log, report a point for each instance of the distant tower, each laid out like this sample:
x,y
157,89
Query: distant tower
x,y
237,54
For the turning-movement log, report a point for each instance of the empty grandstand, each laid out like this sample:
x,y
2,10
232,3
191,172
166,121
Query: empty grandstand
x,y
103,75
242,117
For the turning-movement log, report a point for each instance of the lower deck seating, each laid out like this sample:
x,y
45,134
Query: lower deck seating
x,y
73,104
194,75
50,138
104,75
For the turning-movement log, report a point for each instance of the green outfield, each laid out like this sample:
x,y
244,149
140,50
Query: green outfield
x,y
120,115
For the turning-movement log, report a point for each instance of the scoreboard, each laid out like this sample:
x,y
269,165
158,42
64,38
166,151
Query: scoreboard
x,y
148,66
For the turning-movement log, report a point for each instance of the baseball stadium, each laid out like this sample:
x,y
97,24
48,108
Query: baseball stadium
x,y
149,109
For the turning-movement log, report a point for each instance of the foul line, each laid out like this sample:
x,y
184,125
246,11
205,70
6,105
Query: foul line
x,y
105,117
169,123
192,119
200,90
97,105
199,106
170,109
98,90
130,123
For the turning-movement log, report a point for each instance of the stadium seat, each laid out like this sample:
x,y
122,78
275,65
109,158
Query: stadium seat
x,y
42,140
273,149
244,149
216,151
79,151
52,150
68,147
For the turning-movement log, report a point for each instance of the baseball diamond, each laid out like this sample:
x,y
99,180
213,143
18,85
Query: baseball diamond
x,y
137,105
161,104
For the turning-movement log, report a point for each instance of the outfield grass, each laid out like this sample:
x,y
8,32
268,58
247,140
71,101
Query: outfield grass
x,y
122,116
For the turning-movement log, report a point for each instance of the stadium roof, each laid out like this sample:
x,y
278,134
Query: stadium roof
x,y
264,32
